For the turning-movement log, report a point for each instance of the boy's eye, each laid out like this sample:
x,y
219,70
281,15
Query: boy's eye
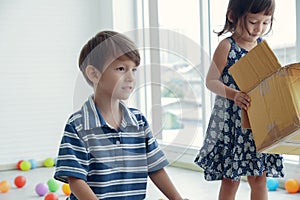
x,y
120,68
134,69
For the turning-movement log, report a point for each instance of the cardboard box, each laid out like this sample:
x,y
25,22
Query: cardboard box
x,y
274,113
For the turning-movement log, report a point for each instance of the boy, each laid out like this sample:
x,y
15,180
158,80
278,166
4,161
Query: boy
x,y
107,150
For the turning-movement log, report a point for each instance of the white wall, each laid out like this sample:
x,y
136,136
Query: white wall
x,y
39,48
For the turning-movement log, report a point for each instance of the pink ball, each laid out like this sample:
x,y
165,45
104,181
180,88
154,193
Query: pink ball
x,y
41,189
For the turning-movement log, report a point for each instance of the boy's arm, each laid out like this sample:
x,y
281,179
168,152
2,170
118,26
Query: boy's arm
x,y
163,182
81,189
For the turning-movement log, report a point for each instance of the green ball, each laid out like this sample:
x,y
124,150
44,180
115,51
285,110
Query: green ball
x,y
52,185
25,165
49,162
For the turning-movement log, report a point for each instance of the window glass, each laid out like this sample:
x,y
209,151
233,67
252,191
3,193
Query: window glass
x,y
282,42
181,73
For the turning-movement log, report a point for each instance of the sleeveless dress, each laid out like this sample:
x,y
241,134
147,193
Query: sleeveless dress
x,y
228,150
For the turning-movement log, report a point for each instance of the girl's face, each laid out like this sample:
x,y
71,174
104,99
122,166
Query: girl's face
x,y
118,80
254,27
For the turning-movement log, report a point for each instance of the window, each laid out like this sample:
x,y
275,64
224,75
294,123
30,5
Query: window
x,y
181,72
189,21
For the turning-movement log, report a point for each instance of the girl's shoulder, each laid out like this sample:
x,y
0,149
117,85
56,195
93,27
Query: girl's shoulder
x,y
220,57
228,43
223,47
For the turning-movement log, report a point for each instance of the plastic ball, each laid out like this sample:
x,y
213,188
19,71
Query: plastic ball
x,y
33,163
291,185
52,185
66,189
41,189
272,184
51,196
18,164
4,186
49,162
20,181
25,165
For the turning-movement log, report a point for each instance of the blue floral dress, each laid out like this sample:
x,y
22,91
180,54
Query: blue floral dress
x,y
228,150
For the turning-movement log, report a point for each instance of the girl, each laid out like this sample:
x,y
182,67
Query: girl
x,y
229,151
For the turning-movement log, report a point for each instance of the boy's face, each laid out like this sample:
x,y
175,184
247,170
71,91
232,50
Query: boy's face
x,y
118,79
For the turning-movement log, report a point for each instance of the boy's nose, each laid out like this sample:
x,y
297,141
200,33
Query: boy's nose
x,y
130,76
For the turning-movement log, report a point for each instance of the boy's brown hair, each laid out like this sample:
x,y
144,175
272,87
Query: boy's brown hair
x,y
104,48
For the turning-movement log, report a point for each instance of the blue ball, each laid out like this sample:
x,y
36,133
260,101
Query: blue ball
x,y
272,184
33,163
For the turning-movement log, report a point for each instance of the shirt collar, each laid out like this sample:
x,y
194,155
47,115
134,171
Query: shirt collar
x,y
92,117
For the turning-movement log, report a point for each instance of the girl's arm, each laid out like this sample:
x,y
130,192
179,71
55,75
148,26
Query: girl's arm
x,y
163,182
216,68
81,189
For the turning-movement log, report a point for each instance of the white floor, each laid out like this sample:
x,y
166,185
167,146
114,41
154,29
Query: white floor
x,y
190,184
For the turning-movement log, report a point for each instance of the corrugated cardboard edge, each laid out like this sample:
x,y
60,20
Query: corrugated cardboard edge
x,y
263,54
294,66
266,147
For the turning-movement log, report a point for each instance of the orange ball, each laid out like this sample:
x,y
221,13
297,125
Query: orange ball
x,y
291,185
66,189
4,186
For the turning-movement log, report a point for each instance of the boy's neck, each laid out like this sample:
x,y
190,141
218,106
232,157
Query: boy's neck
x,y
110,111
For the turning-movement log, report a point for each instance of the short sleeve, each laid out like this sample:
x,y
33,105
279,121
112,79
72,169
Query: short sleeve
x,y
156,158
72,160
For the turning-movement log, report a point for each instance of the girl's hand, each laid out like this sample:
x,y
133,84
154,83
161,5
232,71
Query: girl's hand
x,y
242,100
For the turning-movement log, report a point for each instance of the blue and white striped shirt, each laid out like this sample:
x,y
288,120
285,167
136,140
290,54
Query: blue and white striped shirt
x,y
114,163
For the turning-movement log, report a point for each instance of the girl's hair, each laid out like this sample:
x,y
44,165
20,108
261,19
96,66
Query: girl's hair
x,y
238,9
104,48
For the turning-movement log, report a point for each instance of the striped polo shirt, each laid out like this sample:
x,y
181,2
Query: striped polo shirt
x,y
114,163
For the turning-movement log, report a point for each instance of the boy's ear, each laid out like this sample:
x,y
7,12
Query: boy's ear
x,y
93,74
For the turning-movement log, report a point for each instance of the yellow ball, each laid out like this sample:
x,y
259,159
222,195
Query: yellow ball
x,y
66,189
49,162
25,165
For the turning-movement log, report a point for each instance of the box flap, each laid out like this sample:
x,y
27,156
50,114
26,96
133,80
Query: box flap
x,y
255,66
